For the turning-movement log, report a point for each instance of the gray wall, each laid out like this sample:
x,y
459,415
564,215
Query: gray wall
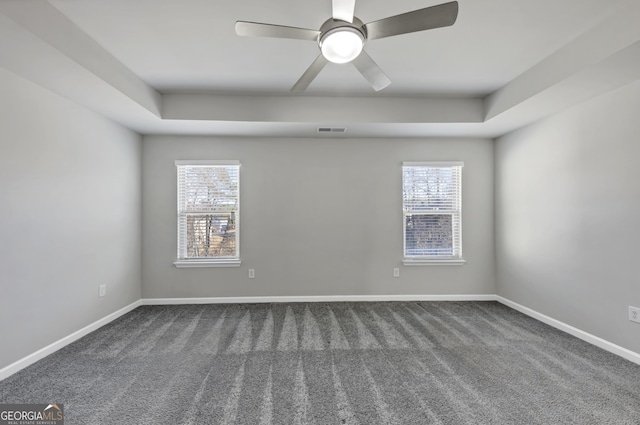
x,y
318,217
567,209
70,214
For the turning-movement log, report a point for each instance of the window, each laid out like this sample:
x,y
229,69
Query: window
x,y
208,213
432,206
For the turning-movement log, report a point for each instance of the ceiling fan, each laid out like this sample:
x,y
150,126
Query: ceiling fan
x,y
342,37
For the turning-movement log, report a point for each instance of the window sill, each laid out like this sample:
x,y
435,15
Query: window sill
x,y
183,264
432,262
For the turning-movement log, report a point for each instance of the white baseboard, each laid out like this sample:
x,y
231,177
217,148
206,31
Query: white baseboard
x,y
632,356
315,299
52,348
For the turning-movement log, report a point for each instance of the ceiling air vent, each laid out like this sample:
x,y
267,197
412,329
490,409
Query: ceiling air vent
x,y
331,129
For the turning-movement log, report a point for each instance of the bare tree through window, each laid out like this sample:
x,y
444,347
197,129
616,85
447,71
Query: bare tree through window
x,y
432,208
208,206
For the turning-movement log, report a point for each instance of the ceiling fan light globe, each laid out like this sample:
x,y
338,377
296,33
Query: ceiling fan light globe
x,y
341,45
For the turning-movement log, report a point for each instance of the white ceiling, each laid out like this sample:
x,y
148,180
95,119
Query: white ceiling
x,y
503,56
191,44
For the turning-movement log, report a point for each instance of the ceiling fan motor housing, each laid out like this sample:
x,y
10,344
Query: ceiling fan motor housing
x,y
342,41
331,23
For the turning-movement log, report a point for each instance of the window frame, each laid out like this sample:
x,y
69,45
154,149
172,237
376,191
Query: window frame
x,y
456,218
189,262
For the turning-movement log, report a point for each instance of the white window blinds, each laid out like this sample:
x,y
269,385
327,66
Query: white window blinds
x,y
432,207
208,210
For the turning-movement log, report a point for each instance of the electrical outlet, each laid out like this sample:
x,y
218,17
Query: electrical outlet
x,y
252,273
634,314
396,272
102,290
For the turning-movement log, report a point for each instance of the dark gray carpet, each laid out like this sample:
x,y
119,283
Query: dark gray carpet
x,y
332,363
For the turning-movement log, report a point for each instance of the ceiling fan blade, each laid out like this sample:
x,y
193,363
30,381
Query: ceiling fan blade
x,y
257,29
371,71
343,10
309,75
443,15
